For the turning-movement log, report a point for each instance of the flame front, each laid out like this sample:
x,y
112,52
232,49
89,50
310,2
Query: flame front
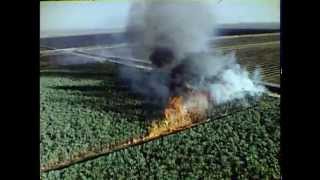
x,y
180,112
175,111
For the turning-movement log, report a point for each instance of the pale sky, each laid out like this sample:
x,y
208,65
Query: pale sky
x,y
112,14
233,11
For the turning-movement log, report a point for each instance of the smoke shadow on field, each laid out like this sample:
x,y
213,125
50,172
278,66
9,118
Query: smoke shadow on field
x,y
124,102
115,98
110,94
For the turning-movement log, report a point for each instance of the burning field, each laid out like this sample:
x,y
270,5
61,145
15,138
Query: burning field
x,y
125,114
83,109
177,115
187,78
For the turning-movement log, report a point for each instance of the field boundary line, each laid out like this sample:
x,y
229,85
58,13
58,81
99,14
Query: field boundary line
x,y
246,35
243,46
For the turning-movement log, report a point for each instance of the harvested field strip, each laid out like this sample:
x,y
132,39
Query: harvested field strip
x,y
272,77
241,41
53,51
254,36
272,71
266,67
271,74
260,63
228,43
143,62
275,72
115,60
245,46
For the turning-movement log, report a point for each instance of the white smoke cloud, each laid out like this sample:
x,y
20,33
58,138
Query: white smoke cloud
x,y
186,28
231,81
234,84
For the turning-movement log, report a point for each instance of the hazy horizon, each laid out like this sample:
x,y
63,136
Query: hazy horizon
x,y
88,16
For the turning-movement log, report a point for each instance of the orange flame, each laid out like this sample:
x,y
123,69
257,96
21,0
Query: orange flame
x,y
176,110
180,112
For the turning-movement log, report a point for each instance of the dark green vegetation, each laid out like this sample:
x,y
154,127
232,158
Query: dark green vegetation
x,y
244,145
83,109
83,106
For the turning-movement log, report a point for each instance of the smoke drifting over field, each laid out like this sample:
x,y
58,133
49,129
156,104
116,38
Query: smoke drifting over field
x,y
174,36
